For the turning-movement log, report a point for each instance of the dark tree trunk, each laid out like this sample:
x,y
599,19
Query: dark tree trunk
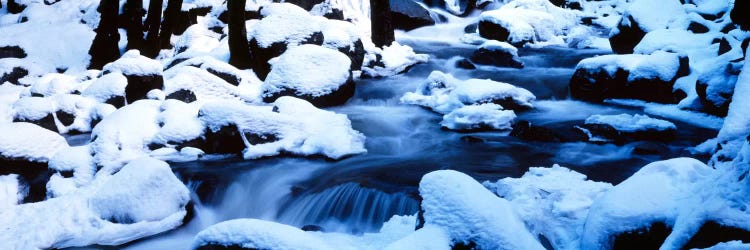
x,y
239,49
104,48
153,21
381,22
133,13
171,16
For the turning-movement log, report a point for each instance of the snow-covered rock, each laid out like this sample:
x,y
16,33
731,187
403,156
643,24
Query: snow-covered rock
x,y
28,142
256,234
470,214
497,53
736,125
443,93
283,25
319,75
553,202
644,16
12,191
143,74
143,199
644,77
527,21
391,60
674,204
626,127
479,117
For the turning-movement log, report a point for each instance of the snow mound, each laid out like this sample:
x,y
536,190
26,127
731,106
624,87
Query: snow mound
x,y
85,217
391,60
132,63
443,94
482,116
11,191
284,22
26,141
257,234
554,202
309,72
527,21
659,65
631,123
469,213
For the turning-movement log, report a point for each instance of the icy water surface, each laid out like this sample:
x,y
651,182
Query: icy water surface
x,y
359,193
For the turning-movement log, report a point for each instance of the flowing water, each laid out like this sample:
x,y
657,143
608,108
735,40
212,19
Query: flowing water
x,y
359,193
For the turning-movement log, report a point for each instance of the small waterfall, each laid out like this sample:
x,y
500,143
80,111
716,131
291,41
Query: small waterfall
x,y
348,207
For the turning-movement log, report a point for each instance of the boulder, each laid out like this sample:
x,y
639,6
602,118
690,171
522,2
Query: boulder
x,y
527,131
624,128
739,14
15,74
498,54
12,52
409,15
143,74
644,77
319,75
643,17
715,88
184,95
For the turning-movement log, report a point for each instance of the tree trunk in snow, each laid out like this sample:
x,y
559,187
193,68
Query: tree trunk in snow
x,y
171,16
133,13
153,21
104,48
239,50
381,22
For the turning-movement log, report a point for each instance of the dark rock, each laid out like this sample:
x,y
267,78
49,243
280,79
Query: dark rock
x,y
226,140
335,14
608,132
184,95
261,55
189,17
461,245
650,148
597,84
739,14
698,28
226,76
524,130
651,237
35,174
335,98
715,89
471,28
409,15
589,20
255,139
138,86
712,17
14,75
712,233
574,6
117,101
14,7
496,57
47,122
629,35
724,46
65,118
312,228
729,27
465,64
490,30
12,52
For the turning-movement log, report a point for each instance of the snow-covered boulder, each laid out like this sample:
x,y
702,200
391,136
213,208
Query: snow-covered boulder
x,y
674,204
283,25
736,127
626,127
553,202
256,234
443,93
12,191
408,15
344,37
200,84
109,89
498,54
644,16
479,117
644,77
527,21
143,74
28,142
143,199
716,86
470,214
319,75
391,60
36,110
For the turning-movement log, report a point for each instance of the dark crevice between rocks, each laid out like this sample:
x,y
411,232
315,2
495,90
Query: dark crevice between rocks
x,y
712,233
35,174
651,237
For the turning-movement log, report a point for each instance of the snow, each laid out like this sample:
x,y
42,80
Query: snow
x,y
533,21
284,22
487,115
12,191
133,63
468,212
396,59
443,93
30,142
427,238
653,15
302,129
308,70
660,64
209,87
673,112
737,123
54,83
258,234
631,123
106,87
33,108
339,34
683,193
80,218
179,122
